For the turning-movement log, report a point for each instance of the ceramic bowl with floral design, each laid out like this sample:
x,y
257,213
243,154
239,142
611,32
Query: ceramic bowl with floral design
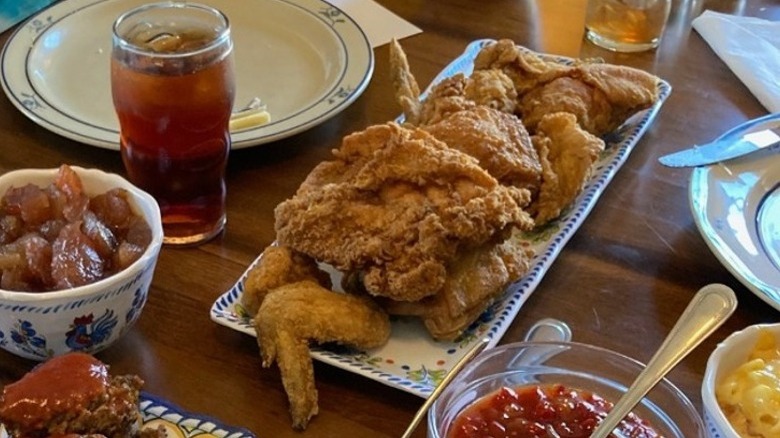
x,y
88,318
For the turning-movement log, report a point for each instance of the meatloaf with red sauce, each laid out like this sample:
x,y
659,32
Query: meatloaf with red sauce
x,y
73,396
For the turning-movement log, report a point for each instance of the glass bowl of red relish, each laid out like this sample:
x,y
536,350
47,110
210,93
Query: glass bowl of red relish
x,y
526,389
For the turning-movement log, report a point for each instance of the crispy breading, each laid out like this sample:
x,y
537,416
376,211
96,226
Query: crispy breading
x,y
397,204
407,92
488,88
498,140
277,266
524,67
567,153
602,96
477,277
296,313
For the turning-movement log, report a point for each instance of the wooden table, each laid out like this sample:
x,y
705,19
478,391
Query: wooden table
x,y
620,282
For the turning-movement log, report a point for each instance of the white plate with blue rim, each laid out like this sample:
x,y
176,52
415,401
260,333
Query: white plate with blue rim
x,y
411,360
736,207
305,59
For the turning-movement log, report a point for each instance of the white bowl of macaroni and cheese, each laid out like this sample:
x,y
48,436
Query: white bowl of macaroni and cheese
x,y
741,388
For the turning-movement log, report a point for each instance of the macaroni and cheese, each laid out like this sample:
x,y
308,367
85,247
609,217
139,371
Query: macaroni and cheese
x,y
750,395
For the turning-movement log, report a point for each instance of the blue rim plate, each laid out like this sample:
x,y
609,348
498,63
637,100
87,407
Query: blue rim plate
x,y
182,424
411,360
306,59
731,204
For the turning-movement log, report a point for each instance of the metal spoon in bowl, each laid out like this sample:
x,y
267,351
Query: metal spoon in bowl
x,y
708,309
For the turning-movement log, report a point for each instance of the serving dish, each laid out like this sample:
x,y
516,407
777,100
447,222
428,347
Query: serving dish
x,y
306,59
411,360
736,207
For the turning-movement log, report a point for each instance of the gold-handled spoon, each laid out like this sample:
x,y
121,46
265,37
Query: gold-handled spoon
x,y
708,309
548,329
471,354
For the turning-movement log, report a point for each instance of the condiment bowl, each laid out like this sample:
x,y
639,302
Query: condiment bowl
x,y
88,318
575,366
729,355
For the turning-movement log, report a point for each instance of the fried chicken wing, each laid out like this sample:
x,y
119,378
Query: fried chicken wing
x,y
567,153
396,204
294,314
277,266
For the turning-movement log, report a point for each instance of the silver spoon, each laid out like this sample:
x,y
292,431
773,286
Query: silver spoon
x,y
708,309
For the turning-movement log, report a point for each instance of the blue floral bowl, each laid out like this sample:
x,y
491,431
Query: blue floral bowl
x,y
89,318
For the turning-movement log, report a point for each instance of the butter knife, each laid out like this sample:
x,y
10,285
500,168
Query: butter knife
x,y
754,135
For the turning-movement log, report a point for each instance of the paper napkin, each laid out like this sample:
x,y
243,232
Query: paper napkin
x,y
750,47
379,24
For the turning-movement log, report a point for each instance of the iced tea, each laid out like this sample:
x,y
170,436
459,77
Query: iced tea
x,y
173,89
626,25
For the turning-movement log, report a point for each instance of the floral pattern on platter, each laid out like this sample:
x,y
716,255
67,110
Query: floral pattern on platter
x,y
178,423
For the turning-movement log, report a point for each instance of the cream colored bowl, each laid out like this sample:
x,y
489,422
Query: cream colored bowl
x,y
728,356
38,325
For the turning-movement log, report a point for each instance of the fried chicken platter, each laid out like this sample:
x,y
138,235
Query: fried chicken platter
x,y
427,233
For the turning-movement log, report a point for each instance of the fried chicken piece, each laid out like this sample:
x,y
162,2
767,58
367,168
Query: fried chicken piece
x,y
602,96
566,94
296,313
476,279
525,68
490,88
498,140
397,204
407,92
279,265
567,153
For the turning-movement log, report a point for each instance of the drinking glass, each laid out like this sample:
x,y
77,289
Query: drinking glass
x,y
626,25
173,88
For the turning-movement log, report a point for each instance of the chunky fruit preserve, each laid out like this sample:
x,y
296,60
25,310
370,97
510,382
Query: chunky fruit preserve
x,y
529,411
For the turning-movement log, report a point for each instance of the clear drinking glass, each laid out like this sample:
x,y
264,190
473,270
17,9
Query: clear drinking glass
x,y
173,88
626,25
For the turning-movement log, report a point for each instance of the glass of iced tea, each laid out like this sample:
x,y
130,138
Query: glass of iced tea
x,y
173,88
626,25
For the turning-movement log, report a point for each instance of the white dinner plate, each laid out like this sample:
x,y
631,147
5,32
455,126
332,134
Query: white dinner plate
x,y
736,206
411,360
306,59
